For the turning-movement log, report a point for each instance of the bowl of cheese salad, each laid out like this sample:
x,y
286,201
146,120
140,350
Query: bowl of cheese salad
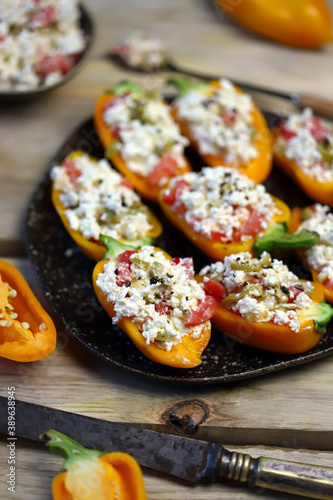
x,y
43,43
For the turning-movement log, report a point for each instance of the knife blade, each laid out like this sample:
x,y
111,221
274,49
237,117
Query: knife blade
x,y
189,459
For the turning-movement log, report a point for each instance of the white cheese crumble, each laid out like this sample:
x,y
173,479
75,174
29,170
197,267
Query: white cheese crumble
x,y
100,203
156,283
269,292
320,256
139,50
39,42
147,131
221,200
220,121
310,145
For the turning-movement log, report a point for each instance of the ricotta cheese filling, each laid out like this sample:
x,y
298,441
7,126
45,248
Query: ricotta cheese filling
x,y
98,200
158,294
261,290
139,50
320,257
146,131
39,42
309,142
220,203
220,121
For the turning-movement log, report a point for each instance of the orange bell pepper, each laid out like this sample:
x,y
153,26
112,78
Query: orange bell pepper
x,y
299,23
275,237
92,475
294,224
271,336
185,354
257,169
140,183
319,191
95,249
27,332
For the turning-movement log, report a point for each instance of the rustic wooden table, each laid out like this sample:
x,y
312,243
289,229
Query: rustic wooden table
x,y
287,414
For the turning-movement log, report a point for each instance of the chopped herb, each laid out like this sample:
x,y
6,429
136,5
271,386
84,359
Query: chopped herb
x,y
285,289
127,283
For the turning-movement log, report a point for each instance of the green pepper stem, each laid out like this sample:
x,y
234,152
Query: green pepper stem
x,y
126,86
67,448
114,247
184,85
276,238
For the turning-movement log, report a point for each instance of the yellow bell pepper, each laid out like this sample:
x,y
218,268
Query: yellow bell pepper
x,y
299,23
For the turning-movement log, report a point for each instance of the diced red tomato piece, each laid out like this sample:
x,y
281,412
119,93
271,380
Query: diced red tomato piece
x,y
286,134
72,171
163,309
165,168
217,235
116,132
2,38
204,312
293,293
229,117
237,289
187,263
126,183
169,196
123,273
215,289
329,284
55,63
125,256
43,17
192,221
179,207
252,227
318,130
114,99
181,186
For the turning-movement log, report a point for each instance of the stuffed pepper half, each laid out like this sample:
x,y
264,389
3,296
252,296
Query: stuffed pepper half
x,y
156,301
223,212
261,303
303,148
140,137
224,126
93,199
319,258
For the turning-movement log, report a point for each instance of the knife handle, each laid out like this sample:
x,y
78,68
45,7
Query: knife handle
x,y
323,107
311,481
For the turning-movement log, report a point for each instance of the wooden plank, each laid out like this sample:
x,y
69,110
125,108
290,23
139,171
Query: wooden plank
x,y
291,408
36,468
199,38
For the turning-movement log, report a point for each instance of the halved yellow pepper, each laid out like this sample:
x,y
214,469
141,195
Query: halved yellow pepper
x,y
185,354
94,250
27,333
92,475
216,249
139,182
268,335
257,169
319,191
300,23
295,222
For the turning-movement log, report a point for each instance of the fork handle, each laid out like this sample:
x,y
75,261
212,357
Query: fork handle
x,y
310,481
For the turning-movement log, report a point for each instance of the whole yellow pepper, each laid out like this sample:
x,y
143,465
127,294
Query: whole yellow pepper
x,y
300,23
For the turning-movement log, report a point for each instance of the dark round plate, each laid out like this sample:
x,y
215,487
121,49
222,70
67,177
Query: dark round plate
x,y
87,27
65,275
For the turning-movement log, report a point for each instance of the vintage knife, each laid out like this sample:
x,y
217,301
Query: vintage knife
x,y
189,459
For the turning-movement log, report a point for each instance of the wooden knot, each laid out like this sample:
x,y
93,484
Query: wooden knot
x,y
186,416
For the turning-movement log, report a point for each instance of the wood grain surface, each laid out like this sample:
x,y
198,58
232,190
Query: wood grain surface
x,y
290,409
